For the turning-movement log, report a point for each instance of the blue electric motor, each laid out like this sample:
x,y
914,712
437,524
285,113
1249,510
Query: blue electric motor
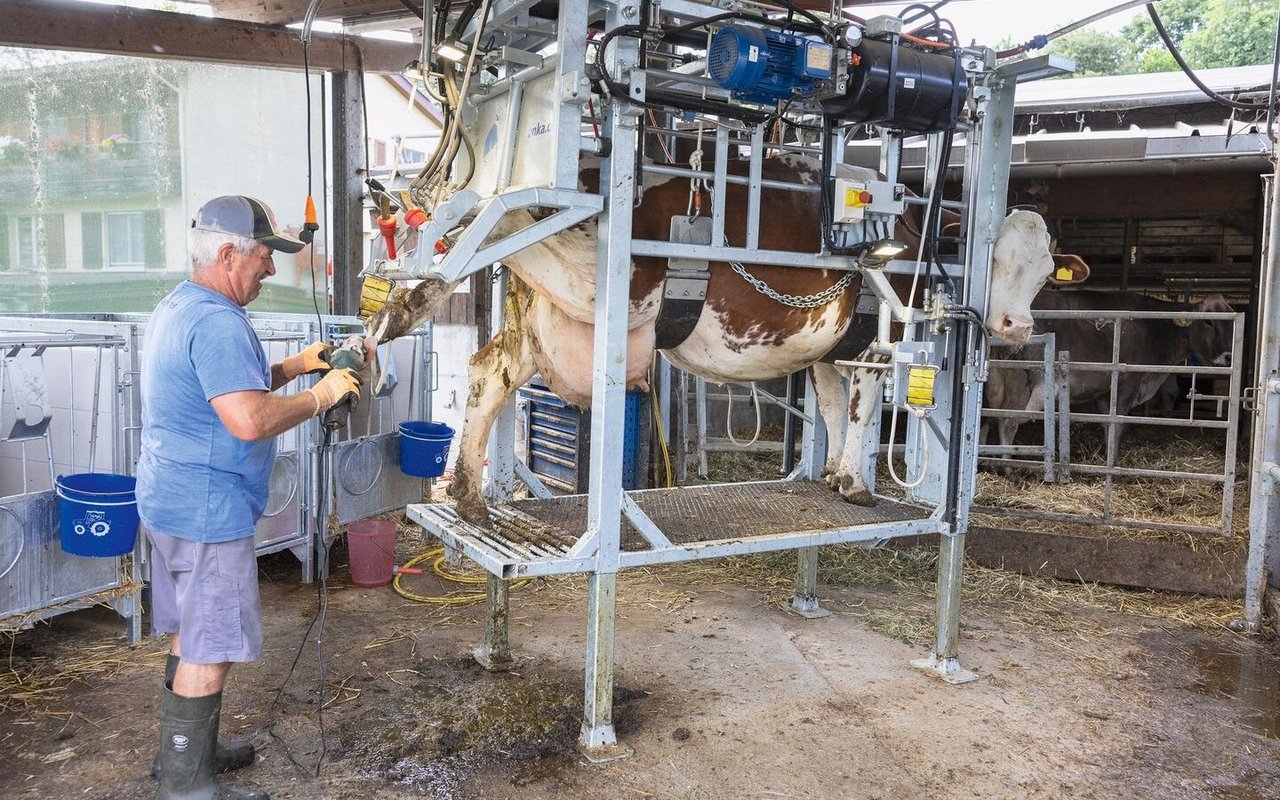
x,y
765,66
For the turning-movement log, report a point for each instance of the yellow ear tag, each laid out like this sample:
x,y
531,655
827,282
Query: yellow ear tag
x,y
1065,274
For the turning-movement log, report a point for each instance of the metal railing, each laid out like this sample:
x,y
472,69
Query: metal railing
x,y
1053,454
365,454
1113,421
60,414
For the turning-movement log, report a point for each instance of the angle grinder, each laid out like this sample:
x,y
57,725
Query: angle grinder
x,y
351,354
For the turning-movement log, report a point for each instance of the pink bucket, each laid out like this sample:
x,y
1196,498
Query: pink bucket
x,y
371,548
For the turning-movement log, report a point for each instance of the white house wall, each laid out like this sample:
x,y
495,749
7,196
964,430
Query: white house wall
x,y
244,131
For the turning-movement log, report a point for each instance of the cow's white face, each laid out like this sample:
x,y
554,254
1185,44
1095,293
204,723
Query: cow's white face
x,y
1020,265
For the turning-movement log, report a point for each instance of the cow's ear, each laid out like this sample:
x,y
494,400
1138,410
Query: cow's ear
x,y
1068,269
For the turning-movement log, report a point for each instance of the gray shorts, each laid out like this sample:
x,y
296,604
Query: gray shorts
x,y
208,594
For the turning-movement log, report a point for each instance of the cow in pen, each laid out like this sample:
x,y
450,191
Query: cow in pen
x,y
1160,342
742,333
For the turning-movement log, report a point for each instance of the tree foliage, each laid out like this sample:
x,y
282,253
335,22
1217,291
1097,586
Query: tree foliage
x,y
1209,33
1095,53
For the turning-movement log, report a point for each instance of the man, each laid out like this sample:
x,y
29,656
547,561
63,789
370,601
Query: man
x,y
210,416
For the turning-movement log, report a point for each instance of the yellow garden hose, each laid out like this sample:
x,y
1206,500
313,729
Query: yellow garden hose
x,y
439,567
662,439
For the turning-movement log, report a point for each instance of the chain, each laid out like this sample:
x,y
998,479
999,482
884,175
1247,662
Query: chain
x,y
811,301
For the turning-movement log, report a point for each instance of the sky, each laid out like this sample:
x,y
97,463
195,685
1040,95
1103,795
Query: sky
x,y
990,21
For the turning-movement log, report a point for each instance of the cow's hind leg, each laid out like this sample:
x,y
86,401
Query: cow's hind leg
x,y
828,385
857,460
497,370
850,466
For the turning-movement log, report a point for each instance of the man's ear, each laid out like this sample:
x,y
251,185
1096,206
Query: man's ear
x,y
225,252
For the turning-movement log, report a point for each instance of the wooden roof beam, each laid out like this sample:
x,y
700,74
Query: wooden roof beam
x,y
276,12
117,30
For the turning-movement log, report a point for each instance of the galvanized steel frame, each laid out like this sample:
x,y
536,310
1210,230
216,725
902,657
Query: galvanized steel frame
x,y
598,551
1262,571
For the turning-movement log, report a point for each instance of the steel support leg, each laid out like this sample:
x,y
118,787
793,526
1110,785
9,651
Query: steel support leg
x,y
1264,541
453,555
495,654
805,600
813,453
945,660
598,742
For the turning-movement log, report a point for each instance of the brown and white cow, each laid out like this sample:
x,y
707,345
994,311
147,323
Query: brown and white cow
x,y
1155,342
741,335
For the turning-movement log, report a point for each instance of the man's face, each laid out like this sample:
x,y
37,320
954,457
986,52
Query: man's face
x,y
247,273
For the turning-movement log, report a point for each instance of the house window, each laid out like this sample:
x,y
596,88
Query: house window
x,y
126,240
122,240
38,243
24,243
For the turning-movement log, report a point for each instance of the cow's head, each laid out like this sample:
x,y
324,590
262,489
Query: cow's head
x,y
1020,266
1209,339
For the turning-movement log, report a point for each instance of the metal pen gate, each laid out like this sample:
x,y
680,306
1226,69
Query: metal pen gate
x,y
1113,421
38,580
1052,457
66,401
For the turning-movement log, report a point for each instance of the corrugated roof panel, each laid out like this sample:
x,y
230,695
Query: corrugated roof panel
x,y
1137,91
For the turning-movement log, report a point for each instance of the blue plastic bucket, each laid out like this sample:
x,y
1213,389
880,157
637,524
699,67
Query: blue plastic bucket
x,y
97,512
424,448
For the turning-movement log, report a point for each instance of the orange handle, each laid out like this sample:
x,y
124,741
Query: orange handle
x,y
415,218
388,227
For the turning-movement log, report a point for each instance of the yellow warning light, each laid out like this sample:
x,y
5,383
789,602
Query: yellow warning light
x,y
920,380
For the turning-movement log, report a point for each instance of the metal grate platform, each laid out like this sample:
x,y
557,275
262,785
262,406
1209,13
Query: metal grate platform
x,y
538,537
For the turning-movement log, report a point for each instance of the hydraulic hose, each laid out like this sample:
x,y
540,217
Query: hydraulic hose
x,y
1177,56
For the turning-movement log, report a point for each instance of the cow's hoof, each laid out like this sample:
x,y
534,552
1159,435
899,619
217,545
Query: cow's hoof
x,y
854,492
859,498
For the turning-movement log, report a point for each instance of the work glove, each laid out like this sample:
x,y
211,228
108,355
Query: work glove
x,y
315,358
333,388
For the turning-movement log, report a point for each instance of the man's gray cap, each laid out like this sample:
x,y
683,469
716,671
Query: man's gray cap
x,y
245,216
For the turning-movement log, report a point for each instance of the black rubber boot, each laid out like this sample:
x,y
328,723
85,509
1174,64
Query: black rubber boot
x,y
188,738
230,755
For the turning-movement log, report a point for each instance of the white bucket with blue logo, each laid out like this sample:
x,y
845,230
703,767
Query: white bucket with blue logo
x,y
97,512
424,448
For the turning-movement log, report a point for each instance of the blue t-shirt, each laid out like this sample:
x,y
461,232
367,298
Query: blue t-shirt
x,y
195,480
